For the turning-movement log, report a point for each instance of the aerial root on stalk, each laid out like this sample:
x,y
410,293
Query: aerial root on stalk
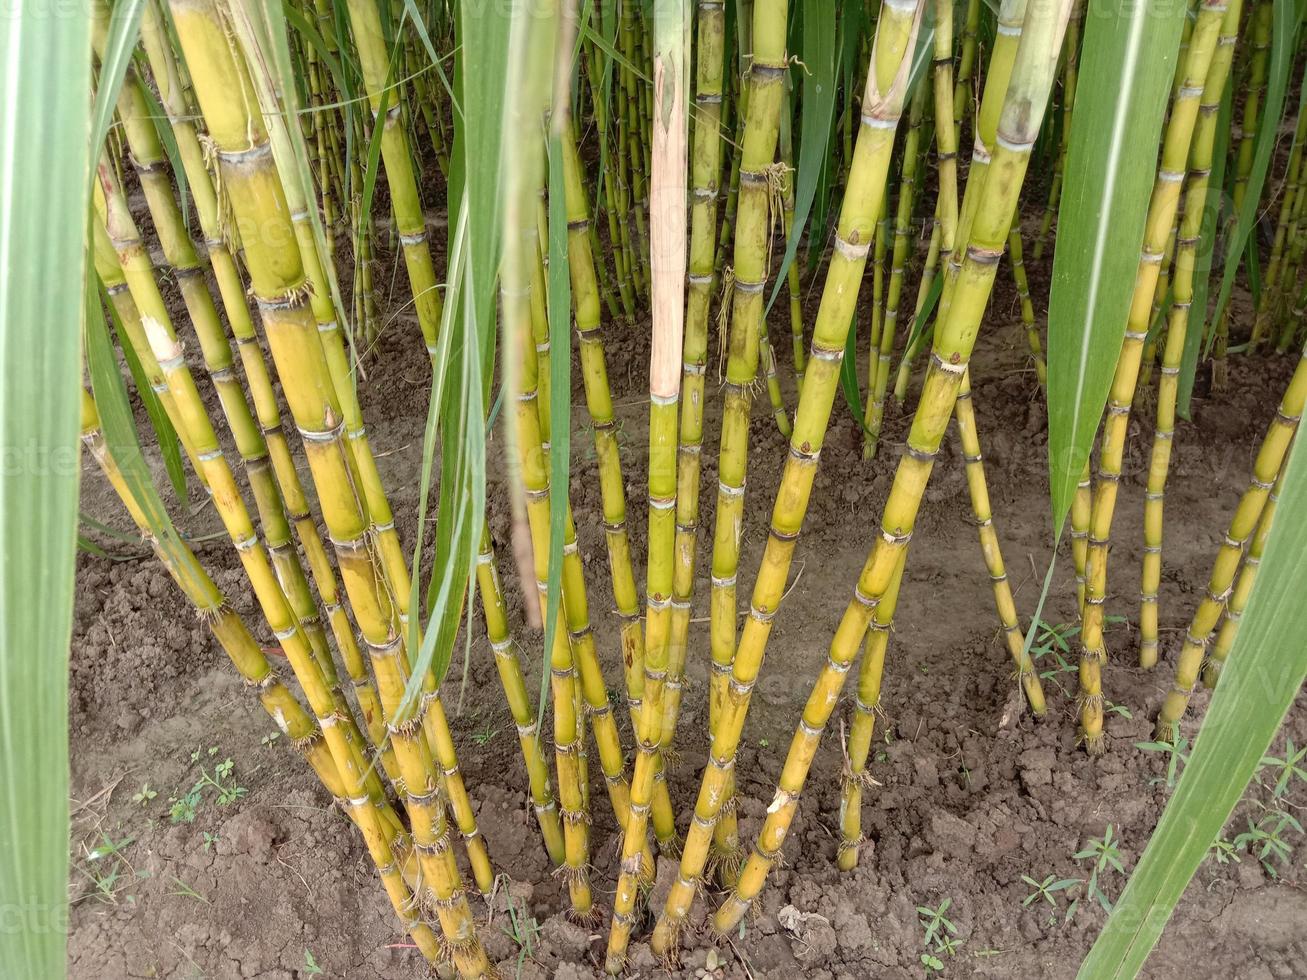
x,y
572,875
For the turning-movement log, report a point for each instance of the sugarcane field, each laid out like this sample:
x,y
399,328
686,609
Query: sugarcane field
x,y
726,489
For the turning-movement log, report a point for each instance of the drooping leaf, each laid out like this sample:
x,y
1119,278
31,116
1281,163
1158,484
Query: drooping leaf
x,y
821,58
45,162
1111,160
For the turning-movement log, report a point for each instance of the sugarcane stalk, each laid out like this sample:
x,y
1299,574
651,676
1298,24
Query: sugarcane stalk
x,y
1027,96
1270,459
882,105
1027,306
1070,78
1161,214
509,667
882,347
854,777
669,167
599,404
1190,234
278,282
381,831
1262,17
983,516
761,129
1243,587
386,95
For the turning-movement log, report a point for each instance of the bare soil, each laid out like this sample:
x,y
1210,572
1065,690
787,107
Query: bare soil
x,y
974,794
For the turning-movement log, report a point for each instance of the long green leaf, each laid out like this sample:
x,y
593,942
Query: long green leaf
x,y
45,180
1110,163
465,351
821,56
1259,683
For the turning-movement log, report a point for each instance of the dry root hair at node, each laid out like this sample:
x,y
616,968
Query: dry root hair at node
x,y
670,848
573,874
208,615
576,818
592,918
724,319
725,862
671,759
306,742
1165,731
862,779
1092,702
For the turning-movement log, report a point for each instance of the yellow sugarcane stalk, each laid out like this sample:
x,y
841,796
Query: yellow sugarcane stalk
x,y
667,253
765,86
385,839
599,404
1247,515
230,106
882,106
983,516
1243,588
1168,384
862,729
1161,214
1032,74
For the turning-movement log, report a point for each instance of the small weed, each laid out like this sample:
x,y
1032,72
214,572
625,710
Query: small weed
x,y
933,964
310,964
144,795
187,891
523,930
1105,857
209,839
1224,851
269,738
935,922
184,807
1177,754
1046,889
1054,643
221,781
1117,709
1264,840
485,735
107,868
1288,767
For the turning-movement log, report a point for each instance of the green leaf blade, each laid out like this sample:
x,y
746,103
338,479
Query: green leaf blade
x,y
1111,160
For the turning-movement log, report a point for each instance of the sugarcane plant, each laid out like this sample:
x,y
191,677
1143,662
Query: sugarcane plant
x,y
608,171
